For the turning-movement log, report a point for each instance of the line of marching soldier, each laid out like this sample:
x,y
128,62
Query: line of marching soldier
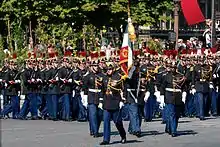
x,y
96,89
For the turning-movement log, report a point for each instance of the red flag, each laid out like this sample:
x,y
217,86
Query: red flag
x,y
124,59
192,11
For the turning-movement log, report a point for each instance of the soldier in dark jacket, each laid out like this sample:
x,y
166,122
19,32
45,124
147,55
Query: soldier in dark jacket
x,y
173,83
65,76
12,86
94,89
200,85
53,88
130,91
112,104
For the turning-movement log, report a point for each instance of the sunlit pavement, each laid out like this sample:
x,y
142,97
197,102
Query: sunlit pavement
x,y
40,133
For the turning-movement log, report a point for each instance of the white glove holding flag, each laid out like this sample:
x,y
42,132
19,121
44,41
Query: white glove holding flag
x,y
121,104
184,97
193,91
147,95
0,80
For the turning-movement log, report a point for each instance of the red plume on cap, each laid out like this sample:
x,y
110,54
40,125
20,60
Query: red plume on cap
x,y
56,54
102,54
51,55
136,52
67,53
94,54
213,50
29,54
82,54
14,56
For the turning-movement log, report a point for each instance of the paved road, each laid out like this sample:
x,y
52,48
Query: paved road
x,y
39,133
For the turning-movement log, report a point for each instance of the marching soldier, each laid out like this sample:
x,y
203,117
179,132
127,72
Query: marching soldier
x,y
94,89
65,89
131,86
173,83
112,104
12,87
200,86
53,88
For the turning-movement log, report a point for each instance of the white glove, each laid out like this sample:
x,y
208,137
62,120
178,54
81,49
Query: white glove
x,y
38,80
162,103
0,80
19,93
19,81
157,94
70,80
6,84
32,80
100,105
121,104
147,95
73,93
211,86
214,76
85,100
184,97
193,91
57,79
217,89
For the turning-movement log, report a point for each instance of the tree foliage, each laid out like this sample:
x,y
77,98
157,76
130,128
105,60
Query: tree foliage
x,y
65,19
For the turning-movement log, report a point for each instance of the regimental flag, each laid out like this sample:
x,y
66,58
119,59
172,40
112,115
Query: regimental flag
x,y
192,11
126,52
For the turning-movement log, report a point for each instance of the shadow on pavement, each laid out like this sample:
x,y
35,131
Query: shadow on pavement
x,y
186,132
148,133
187,121
128,142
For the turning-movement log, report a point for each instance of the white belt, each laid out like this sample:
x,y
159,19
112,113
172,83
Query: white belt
x,y
95,90
202,80
173,90
129,90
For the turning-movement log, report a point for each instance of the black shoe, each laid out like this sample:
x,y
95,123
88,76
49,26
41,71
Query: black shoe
x,y
34,118
123,140
104,143
168,132
202,118
163,122
173,135
138,134
91,134
55,119
96,135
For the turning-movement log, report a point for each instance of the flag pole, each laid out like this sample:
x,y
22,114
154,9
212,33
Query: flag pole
x,y
213,29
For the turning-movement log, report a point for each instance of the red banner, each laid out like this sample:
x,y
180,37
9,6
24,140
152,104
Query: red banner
x,y
192,11
124,59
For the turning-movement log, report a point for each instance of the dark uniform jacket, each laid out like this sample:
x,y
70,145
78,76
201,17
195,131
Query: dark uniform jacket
x,y
53,87
173,81
159,79
93,86
113,86
26,76
12,88
65,73
131,85
201,78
